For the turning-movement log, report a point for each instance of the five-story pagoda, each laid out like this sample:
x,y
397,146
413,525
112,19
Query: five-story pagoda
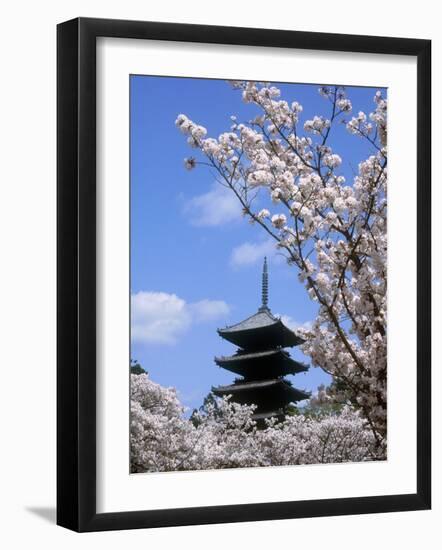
x,y
262,362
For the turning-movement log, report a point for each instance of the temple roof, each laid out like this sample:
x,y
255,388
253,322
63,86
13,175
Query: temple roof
x,y
260,363
275,384
262,330
259,331
263,318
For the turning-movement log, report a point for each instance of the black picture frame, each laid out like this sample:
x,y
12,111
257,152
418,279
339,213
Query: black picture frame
x,y
76,274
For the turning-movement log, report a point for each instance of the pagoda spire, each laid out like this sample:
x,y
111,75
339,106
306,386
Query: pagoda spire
x,y
265,286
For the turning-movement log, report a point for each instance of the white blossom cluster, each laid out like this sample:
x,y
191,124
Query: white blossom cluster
x,y
225,436
333,232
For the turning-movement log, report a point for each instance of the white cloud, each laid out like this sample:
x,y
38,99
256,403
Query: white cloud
x,y
161,318
207,310
251,253
216,207
158,317
294,325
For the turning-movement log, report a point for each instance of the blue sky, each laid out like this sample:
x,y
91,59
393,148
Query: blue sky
x,y
195,262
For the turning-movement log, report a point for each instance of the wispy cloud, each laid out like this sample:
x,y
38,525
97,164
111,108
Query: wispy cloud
x,y
216,207
162,318
293,324
208,310
250,253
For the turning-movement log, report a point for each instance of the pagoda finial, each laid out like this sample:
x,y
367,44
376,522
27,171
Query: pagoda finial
x,y
265,285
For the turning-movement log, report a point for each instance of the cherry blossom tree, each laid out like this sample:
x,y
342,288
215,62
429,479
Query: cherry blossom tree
x,y
289,183
225,435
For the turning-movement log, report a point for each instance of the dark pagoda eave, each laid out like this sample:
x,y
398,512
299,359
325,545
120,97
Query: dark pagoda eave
x,y
274,333
243,357
263,318
239,387
275,361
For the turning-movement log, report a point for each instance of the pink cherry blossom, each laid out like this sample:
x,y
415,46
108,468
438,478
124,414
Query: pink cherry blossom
x,y
225,436
333,233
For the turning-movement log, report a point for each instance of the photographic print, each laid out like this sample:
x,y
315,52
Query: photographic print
x,y
258,264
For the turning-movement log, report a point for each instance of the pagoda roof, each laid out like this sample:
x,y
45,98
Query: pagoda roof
x,y
278,384
261,330
258,363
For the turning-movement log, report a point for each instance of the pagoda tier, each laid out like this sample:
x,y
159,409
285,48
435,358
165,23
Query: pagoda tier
x,y
259,364
268,395
262,362
260,331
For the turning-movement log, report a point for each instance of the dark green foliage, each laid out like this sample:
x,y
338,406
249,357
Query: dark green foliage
x,y
292,410
338,397
323,409
136,368
210,399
